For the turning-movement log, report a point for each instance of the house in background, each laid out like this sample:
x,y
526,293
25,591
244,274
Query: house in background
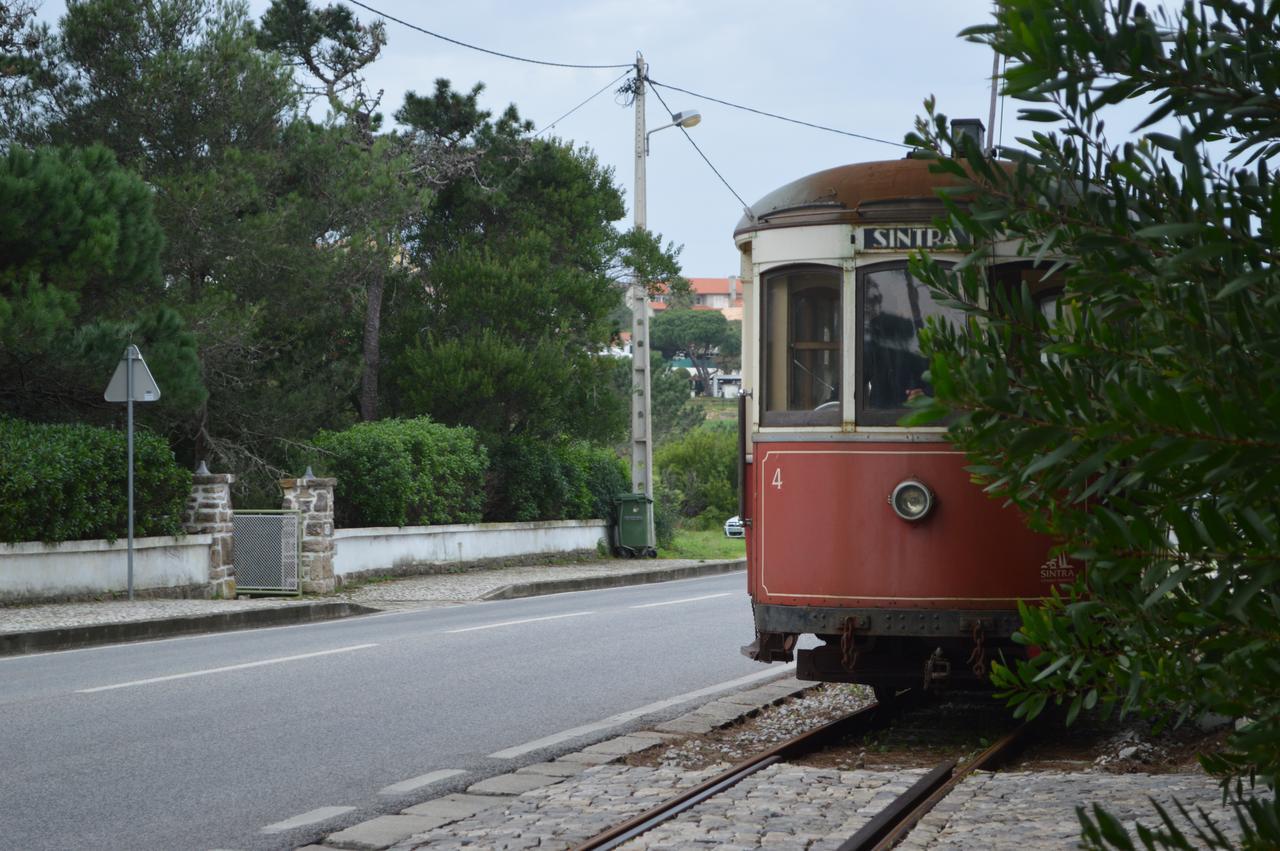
x,y
722,294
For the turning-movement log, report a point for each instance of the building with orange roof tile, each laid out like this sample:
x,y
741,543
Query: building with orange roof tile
x,y
722,294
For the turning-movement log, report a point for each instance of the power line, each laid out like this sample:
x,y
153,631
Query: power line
x,y
779,117
584,103
481,49
745,206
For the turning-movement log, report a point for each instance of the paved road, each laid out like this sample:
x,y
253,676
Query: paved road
x,y
272,738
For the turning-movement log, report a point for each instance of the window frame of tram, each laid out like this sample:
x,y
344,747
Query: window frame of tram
x,y
1045,292
791,398
902,384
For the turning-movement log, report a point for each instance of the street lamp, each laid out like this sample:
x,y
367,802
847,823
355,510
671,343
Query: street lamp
x,y
641,397
687,118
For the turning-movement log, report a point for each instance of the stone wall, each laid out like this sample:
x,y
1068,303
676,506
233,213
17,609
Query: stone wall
x,y
209,512
314,499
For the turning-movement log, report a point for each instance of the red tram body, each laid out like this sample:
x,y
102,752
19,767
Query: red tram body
x,y
898,599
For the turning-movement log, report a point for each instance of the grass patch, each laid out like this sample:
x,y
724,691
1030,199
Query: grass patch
x,y
717,408
706,544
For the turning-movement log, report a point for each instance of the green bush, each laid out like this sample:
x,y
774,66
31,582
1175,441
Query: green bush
x,y
405,472
537,480
70,482
701,469
666,504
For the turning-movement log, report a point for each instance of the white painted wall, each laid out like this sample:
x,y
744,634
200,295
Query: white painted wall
x,y
31,571
357,550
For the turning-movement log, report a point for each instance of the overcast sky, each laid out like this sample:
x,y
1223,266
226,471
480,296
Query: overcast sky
x,y
856,65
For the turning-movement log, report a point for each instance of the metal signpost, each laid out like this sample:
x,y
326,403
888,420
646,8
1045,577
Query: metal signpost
x,y
130,384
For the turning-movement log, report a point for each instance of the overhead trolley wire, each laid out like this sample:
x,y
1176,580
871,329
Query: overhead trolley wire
x,y
656,84
482,49
745,206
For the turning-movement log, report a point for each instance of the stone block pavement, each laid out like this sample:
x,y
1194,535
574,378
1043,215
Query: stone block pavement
x,y
559,804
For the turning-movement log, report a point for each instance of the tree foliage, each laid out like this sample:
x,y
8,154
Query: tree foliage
x,y
1137,416
79,252
674,413
305,273
519,258
702,335
701,472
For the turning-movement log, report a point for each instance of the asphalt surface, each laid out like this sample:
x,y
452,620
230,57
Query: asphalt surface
x,y
202,742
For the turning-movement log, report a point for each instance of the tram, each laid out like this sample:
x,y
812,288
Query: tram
x,y
866,534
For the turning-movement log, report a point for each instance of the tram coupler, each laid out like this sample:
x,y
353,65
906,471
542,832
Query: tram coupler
x,y
771,647
937,670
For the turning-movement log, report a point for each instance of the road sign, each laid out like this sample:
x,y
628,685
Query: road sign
x,y
131,383
145,388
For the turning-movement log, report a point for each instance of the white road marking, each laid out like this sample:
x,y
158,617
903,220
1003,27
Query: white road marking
x,y
632,714
313,817
685,600
522,620
415,783
226,668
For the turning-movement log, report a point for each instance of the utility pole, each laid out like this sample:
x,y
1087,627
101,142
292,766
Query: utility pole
x,y
641,396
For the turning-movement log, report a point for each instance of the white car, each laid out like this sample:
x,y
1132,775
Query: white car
x,y
733,528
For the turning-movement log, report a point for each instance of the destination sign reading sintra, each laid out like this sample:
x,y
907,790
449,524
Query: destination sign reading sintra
x,y
901,238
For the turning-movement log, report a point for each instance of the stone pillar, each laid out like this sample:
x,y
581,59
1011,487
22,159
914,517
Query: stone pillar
x,y
314,498
208,512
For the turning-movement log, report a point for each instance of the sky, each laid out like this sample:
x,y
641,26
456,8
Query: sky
x,y
856,65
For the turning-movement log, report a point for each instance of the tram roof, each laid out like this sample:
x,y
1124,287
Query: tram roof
x,y
856,194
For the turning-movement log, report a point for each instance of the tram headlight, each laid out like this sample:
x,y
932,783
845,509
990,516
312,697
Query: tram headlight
x,y
911,500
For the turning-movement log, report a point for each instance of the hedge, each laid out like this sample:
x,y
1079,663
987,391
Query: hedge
x,y
405,473
538,480
70,482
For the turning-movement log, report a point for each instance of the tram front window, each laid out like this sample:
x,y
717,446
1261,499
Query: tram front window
x,y
891,367
802,347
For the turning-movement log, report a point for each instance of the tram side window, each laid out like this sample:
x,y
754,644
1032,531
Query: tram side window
x,y
802,360
893,308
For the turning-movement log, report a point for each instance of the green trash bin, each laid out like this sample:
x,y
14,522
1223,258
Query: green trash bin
x,y
631,535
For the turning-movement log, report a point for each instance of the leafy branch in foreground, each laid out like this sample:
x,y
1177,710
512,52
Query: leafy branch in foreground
x,y
1119,382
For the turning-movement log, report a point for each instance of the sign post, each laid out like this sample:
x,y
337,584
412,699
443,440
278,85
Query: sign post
x,y
131,384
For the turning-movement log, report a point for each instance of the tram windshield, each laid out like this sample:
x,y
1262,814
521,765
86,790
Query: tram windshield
x,y
890,368
802,363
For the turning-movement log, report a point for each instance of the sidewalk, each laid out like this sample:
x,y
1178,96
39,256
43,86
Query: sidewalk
x,y
60,626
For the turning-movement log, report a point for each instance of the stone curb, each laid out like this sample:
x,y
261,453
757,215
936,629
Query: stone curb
x,y
65,638
589,583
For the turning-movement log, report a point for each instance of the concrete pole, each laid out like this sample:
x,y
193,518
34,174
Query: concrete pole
x,y
641,402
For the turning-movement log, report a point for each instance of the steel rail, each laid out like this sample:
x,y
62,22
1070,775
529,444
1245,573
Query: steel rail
x,y
895,821
863,720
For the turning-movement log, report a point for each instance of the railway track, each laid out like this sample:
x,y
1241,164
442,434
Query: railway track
x,y
882,831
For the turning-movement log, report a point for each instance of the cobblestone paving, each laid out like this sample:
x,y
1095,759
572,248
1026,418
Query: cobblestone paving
x,y
1024,810
794,807
409,592
783,806
562,815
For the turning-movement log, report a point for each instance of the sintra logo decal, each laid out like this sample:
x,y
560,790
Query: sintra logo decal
x,y
1057,570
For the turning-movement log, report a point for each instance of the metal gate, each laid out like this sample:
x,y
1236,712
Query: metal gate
x,y
267,547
